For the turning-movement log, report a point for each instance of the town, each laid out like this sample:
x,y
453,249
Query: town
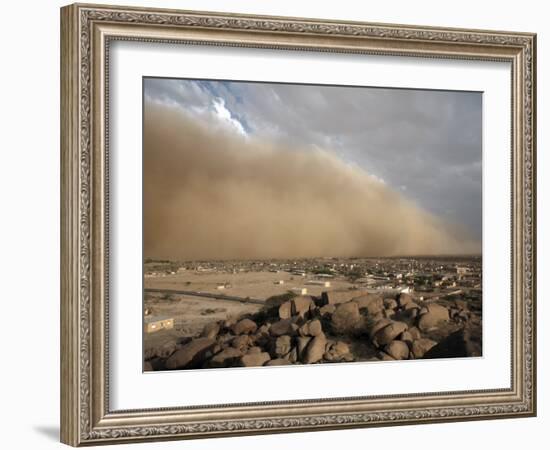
x,y
183,299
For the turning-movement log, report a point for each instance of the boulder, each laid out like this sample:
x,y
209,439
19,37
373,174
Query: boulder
x,y
191,355
211,330
278,362
411,305
383,356
407,337
340,296
282,345
372,303
253,350
433,317
421,346
286,326
301,345
301,305
378,325
338,351
241,342
390,303
347,319
158,364
460,344
389,333
285,310
415,333
263,329
315,349
327,310
254,359
403,299
389,313
147,366
397,350
163,351
461,305
292,355
311,328
244,326
226,358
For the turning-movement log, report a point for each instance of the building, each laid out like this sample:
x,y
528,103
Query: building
x,y
319,283
154,324
299,291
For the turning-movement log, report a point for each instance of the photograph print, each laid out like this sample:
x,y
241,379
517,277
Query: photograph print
x,y
303,224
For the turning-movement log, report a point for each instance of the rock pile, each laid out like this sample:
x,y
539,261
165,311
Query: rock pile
x,y
330,328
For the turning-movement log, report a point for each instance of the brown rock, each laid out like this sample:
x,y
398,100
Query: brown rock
x,y
390,303
311,328
433,317
398,350
415,333
389,333
460,344
147,366
285,310
421,346
210,330
166,349
327,309
372,303
404,299
301,305
255,359
244,326
383,356
315,349
292,355
226,358
282,345
301,345
378,316
347,319
340,296
338,351
406,337
411,305
461,305
378,325
253,350
264,329
286,326
278,362
241,342
191,355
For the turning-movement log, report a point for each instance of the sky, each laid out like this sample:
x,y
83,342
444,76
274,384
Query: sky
x,y
425,144
262,170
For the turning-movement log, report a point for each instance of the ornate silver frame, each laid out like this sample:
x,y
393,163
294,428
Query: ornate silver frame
x,y
86,32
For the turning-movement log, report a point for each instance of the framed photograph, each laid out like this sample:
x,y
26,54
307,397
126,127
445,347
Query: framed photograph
x,y
276,224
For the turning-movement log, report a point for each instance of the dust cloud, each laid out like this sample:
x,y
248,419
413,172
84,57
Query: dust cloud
x,y
210,193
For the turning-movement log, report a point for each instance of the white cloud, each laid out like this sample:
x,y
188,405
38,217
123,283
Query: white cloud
x,y
224,115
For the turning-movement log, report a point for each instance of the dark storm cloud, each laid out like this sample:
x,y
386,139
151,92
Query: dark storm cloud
x,y
425,144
